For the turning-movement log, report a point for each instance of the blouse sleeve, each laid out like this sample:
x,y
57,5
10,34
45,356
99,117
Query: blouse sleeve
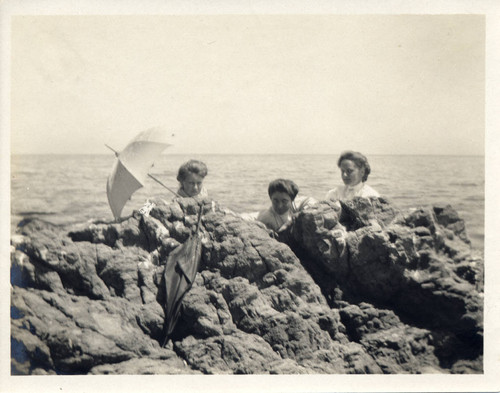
x,y
368,192
333,195
303,202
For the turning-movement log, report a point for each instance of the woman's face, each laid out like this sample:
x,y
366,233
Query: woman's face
x,y
351,173
192,184
281,202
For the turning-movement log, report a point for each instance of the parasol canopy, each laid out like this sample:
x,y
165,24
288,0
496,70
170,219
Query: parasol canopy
x,y
131,167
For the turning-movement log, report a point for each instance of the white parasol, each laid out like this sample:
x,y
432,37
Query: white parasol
x,y
131,167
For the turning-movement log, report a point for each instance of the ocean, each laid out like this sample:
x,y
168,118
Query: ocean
x,y
66,189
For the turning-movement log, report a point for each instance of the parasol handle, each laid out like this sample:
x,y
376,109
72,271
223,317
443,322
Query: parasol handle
x,y
199,216
177,195
160,183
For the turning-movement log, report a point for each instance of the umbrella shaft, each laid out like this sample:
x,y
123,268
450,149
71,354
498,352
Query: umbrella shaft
x,y
160,183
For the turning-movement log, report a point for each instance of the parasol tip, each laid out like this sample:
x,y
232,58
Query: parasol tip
x,y
113,150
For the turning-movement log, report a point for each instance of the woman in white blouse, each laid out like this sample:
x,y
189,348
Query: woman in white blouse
x,y
284,204
354,170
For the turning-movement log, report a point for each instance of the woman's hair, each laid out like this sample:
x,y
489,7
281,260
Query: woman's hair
x,y
283,185
192,166
359,159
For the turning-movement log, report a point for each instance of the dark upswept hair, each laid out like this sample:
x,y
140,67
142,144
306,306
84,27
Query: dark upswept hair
x,y
192,166
283,185
359,159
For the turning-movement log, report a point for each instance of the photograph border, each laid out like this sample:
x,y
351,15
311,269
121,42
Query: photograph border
x,y
488,381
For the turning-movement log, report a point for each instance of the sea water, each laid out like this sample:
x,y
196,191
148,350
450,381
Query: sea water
x,y
66,189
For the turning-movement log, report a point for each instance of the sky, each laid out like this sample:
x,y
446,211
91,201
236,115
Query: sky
x,y
248,84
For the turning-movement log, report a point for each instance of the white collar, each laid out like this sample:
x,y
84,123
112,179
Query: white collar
x,y
355,188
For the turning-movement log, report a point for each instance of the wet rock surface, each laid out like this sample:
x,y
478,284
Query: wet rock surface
x,y
363,288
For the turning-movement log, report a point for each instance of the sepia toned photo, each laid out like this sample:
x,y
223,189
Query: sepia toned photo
x,y
206,194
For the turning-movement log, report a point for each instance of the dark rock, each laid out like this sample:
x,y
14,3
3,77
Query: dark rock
x,y
398,348
375,291
431,281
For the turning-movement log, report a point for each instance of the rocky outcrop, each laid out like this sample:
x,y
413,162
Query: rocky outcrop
x,y
361,289
418,264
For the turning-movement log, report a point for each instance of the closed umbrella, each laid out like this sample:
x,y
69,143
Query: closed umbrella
x,y
179,274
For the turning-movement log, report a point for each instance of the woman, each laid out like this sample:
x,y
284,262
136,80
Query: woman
x,y
354,170
190,176
284,203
